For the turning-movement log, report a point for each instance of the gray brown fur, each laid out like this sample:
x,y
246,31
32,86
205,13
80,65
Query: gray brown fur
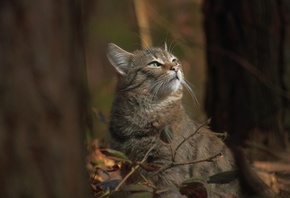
x,y
140,112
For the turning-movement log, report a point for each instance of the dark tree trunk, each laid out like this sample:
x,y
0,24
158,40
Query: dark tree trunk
x,y
42,100
248,69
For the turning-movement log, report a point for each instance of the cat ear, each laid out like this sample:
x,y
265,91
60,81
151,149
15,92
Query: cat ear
x,y
119,58
164,46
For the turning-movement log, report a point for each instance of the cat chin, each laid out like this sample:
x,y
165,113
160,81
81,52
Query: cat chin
x,y
170,88
174,85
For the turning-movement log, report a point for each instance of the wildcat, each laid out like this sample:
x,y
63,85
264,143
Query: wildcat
x,y
148,101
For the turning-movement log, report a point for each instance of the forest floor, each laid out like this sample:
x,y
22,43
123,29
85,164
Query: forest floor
x,y
272,167
274,170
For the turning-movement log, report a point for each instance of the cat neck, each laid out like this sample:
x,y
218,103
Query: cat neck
x,y
136,116
131,102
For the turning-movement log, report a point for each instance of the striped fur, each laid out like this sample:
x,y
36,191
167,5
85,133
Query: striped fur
x,y
148,99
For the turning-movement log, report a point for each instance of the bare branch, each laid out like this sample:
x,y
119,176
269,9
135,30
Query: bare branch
x,y
148,152
134,168
127,176
183,141
210,159
172,165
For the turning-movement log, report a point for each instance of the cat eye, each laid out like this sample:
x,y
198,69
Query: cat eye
x,y
154,64
174,60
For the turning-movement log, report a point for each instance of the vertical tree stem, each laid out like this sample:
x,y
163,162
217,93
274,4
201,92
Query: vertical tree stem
x,y
143,23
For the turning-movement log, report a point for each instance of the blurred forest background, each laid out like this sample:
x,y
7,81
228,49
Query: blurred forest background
x,y
57,86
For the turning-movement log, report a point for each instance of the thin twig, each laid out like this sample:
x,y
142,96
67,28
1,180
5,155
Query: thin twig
x,y
224,135
183,141
172,165
148,152
144,178
198,161
127,176
134,168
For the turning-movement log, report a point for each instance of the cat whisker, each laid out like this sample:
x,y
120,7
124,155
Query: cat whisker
x,y
158,85
173,47
187,84
154,88
146,44
133,85
157,91
169,49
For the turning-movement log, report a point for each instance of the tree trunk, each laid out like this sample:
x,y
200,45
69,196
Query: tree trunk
x,y
248,65
42,100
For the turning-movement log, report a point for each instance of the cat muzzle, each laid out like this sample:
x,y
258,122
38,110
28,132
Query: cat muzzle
x,y
175,68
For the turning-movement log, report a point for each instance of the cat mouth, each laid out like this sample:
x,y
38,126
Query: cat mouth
x,y
174,78
177,76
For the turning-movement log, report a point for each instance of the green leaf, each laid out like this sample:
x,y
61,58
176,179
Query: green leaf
x,y
137,188
97,162
223,177
195,179
141,195
166,135
118,194
116,155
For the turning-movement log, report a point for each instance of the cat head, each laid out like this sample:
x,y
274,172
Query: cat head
x,y
153,72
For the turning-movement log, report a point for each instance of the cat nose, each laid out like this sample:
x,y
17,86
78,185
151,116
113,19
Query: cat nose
x,y
174,68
